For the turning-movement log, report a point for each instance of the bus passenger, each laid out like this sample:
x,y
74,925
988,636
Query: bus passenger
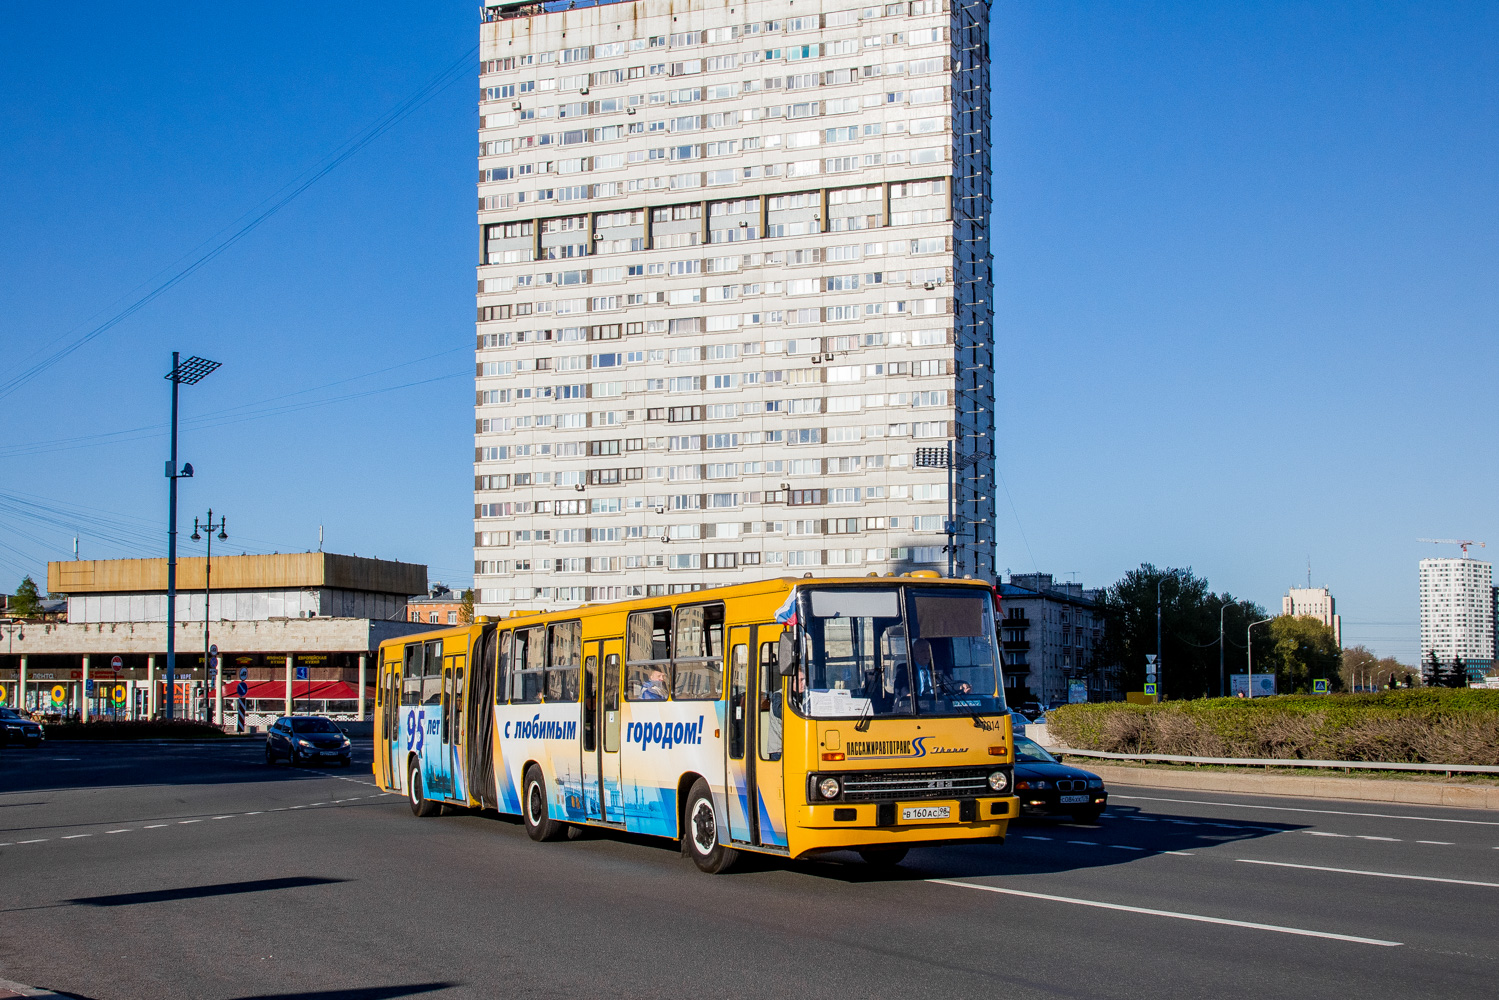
x,y
654,688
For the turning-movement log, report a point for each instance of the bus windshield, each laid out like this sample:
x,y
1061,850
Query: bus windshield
x,y
897,652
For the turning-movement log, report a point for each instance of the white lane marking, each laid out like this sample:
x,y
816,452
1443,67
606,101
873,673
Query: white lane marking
x,y
1125,847
1439,843
1324,833
1199,918
1319,812
1034,837
255,813
1359,871
8,843
184,822
1185,854
1085,843
116,831
1393,840
41,840
154,826
76,836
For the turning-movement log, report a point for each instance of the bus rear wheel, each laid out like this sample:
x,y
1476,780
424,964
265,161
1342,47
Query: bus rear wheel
x,y
420,804
702,832
540,826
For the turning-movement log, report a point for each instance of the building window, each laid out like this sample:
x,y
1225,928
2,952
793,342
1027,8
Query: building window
x,y
452,618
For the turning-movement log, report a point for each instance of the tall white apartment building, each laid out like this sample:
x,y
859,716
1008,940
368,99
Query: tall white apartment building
x,y
734,298
1314,602
1457,610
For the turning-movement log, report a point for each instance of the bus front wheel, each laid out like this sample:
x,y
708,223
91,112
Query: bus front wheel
x,y
702,832
539,823
420,804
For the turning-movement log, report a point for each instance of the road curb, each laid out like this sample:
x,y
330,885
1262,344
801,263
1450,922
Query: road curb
x,y
1423,793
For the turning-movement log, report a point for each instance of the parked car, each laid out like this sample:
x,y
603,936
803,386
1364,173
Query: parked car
x,y
17,729
1018,722
299,739
1047,787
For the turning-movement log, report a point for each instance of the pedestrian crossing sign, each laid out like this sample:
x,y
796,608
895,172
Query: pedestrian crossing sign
x,y
1150,689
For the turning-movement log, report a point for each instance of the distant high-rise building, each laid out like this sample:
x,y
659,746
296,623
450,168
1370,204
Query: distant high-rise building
x,y
1457,611
1314,602
734,296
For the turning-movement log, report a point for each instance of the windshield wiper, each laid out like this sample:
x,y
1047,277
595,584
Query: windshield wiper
x,y
865,717
978,720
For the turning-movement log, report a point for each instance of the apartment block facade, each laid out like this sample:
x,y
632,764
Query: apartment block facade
x,y
735,295
1314,602
1457,611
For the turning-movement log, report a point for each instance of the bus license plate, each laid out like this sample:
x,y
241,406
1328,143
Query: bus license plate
x,y
1074,800
926,812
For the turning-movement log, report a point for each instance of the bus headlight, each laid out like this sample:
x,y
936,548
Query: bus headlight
x,y
829,788
998,780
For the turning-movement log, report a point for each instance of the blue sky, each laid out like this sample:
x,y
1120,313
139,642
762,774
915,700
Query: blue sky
x,y
1244,256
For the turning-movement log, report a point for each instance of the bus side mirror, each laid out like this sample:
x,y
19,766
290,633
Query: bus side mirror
x,y
786,654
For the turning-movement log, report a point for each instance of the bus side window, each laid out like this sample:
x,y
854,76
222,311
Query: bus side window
x,y
528,665
562,668
502,679
648,656
432,674
770,703
738,687
698,661
411,675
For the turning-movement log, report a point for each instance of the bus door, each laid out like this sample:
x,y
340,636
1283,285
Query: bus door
x,y
388,747
768,697
601,732
739,767
450,753
592,746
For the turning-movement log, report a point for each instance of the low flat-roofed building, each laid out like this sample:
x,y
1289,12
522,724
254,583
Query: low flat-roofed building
x,y
298,629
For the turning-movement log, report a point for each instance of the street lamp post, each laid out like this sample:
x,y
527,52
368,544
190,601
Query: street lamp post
x,y
1222,669
209,668
1160,661
1249,646
189,372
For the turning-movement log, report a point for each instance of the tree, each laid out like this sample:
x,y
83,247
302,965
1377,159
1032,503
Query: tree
x,y
1303,651
26,603
466,612
1431,670
1189,630
1358,668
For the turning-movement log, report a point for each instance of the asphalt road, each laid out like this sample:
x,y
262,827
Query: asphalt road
x,y
196,871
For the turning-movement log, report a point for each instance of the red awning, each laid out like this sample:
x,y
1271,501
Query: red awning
x,y
301,690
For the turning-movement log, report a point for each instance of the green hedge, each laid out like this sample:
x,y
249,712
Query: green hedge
x,y
1424,725
144,729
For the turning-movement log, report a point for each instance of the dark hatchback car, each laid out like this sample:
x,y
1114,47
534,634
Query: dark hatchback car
x,y
1047,787
16,729
304,739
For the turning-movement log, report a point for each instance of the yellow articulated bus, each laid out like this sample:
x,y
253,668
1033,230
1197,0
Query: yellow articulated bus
x,y
790,717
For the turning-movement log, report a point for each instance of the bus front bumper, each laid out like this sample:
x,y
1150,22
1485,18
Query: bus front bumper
x,y
865,824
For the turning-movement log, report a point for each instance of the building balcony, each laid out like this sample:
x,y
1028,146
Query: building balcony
x,y
1010,645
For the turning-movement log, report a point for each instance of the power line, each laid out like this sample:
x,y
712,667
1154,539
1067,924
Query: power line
x,y
385,123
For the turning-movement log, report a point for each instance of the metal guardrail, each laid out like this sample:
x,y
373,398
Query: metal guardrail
x,y
1346,765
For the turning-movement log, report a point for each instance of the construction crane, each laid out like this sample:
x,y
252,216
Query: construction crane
x,y
1463,542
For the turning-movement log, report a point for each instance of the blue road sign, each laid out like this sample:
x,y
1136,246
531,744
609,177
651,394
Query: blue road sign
x,y
244,673
1319,685
301,673
1150,689
88,687
241,689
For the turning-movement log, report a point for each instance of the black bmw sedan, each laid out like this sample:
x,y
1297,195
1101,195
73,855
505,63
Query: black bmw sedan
x,y
1047,787
306,738
17,729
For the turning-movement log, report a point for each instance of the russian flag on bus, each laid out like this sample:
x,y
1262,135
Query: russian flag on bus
x,y
786,614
